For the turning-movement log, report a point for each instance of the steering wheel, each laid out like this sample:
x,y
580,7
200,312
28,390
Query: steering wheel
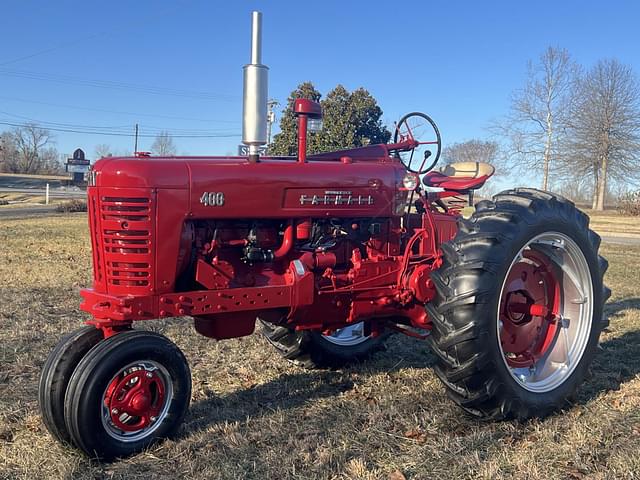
x,y
421,128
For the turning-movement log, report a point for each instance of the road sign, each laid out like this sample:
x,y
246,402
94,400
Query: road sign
x,y
77,168
243,150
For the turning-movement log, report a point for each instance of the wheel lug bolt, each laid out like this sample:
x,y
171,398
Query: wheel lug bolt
x,y
153,419
115,411
149,374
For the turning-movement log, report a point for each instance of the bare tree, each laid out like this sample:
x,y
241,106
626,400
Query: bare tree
x,y
50,161
476,151
103,150
603,140
576,188
31,156
471,151
535,122
163,145
8,152
617,191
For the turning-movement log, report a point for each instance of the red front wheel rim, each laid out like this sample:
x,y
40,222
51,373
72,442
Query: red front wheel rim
x,y
136,401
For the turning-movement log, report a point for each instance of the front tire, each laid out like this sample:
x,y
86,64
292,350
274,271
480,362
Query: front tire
x,y
518,311
128,392
55,376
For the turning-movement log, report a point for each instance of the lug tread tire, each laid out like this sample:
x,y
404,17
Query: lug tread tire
x,y
468,285
55,376
82,401
309,350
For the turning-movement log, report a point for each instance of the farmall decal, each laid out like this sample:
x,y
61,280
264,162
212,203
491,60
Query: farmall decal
x,y
336,197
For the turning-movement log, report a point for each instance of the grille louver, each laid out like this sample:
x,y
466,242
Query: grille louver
x,y
126,237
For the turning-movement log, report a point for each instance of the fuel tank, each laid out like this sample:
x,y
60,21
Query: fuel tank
x,y
232,187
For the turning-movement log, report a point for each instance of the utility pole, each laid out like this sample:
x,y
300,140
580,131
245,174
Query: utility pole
x,y
135,145
271,118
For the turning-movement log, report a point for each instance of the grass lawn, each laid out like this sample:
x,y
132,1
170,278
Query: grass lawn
x,y
253,415
20,200
613,224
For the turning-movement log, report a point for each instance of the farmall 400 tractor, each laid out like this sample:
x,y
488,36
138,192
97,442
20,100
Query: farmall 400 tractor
x,y
328,253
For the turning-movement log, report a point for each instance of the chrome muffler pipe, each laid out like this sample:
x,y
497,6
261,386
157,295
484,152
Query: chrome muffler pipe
x,y
255,94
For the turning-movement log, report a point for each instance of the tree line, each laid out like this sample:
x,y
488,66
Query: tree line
x,y
162,146
576,128
30,149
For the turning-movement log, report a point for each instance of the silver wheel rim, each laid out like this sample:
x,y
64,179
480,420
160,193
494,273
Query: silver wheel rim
x,y
124,436
348,336
575,313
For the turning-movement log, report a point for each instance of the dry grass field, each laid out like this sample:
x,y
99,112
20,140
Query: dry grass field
x,y
19,200
255,416
614,224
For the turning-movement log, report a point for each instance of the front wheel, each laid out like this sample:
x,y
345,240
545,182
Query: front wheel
x,y
518,313
127,392
55,376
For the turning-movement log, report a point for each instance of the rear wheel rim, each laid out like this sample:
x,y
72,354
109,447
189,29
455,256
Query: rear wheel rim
x,y
348,336
545,312
136,401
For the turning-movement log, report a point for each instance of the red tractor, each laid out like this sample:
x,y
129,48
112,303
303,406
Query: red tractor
x,y
328,253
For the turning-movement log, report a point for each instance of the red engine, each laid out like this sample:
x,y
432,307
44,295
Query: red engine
x,y
317,244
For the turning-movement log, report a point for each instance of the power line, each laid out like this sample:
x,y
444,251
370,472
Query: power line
x,y
114,85
119,134
117,112
150,130
66,125
85,38
47,50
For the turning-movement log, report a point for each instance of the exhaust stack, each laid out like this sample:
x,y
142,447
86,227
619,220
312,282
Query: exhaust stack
x,y
255,94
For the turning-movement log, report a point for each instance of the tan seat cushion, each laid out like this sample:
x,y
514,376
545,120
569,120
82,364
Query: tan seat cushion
x,y
467,169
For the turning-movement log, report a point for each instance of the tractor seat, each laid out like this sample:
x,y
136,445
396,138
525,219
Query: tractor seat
x,y
460,176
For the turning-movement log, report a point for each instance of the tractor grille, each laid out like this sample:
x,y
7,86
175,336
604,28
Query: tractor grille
x,y
123,252
96,244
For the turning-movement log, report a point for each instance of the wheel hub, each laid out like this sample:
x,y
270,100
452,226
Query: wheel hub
x,y
525,315
135,400
140,403
515,300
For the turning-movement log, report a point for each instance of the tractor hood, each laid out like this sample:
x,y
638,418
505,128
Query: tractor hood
x,y
173,172
273,187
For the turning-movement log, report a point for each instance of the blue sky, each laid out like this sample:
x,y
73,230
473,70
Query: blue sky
x,y
458,61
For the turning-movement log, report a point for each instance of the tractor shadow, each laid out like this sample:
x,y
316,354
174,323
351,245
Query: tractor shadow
x,y
613,310
617,362
292,390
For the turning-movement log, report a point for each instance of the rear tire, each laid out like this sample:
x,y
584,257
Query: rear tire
x,y
314,350
56,374
128,392
496,363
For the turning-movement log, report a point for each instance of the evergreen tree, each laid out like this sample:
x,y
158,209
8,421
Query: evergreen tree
x,y
285,142
350,119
